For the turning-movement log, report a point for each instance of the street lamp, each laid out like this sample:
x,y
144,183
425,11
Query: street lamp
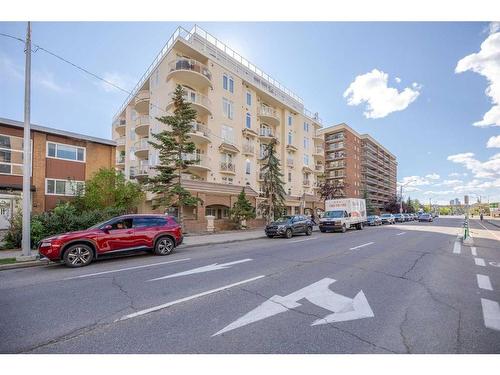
x,y
401,195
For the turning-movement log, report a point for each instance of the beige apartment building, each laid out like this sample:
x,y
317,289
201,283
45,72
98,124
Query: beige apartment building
x,y
239,110
358,163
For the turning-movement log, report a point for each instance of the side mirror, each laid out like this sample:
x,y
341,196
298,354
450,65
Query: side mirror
x,y
107,228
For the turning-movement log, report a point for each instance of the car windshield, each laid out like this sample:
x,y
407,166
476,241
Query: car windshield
x,y
371,217
386,215
334,214
283,219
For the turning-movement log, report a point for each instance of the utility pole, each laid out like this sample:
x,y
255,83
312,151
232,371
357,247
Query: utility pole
x,y
26,239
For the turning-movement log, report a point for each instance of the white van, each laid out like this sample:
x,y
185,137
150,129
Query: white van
x,y
343,214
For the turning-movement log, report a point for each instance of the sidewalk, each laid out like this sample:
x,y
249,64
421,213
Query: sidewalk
x,y
8,256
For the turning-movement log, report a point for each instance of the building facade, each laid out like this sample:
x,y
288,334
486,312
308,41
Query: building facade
x,y
239,110
61,161
357,163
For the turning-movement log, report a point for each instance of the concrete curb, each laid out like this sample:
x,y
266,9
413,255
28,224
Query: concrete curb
x,y
44,262
31,263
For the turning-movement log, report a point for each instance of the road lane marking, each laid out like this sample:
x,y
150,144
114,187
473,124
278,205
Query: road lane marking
x,y
210,267
341,308
127,269
491,314
306,239
457,248
493,234
484,282
479,262
185,299
400,234
473,251
360,246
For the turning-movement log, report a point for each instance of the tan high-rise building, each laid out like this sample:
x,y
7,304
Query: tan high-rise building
x,y
239,110
357,162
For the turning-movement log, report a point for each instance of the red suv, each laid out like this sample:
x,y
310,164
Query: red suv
x,y
159,233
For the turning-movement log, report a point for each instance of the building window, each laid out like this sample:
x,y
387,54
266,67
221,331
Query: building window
x,y
66,152
306,127
248,166
306,143
227,134
227,180
11,155
306,159
228,108
67,188
289,120
228,83
289,138
249,99
289,176
248,123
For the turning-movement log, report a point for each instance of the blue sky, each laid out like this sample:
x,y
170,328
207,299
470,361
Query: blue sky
x,y
424,112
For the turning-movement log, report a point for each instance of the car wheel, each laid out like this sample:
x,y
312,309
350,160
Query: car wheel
x,y
78,255
322,230
309,231
269,235
288,233
344,229
164,246
360,226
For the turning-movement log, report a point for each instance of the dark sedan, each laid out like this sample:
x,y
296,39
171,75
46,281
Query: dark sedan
x,y
287,226
374,220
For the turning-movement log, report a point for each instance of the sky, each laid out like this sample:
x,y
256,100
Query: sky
x,y
428,91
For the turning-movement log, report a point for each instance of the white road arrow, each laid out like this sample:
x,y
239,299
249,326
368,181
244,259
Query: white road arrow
x,y
342,308
210,267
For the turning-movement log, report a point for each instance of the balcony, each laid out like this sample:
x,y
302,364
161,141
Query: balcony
x,y
334,156
200,162
227,167
306,182
228,145
141,171
266,134
142,101
268,115
200,133
319,168
248,149
120,142
307,168
317,136
291,147
120,160
199,101
120,126
142,148
190,72
142,126
319,151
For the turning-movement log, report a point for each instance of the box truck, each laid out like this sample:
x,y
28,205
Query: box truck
x,y
343,214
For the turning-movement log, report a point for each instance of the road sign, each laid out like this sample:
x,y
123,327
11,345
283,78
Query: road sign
x,y
210,267
342,308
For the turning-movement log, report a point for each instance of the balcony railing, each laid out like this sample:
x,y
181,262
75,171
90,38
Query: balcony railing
x,y
198,159
227,166
248,148
266,132
268,112
200,128
141,144
335,156
194,97
191,65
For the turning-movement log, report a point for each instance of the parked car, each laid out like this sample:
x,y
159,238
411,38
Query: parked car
x,y
343,214
388,219
287,226
425,217
399,218
159,233
374,220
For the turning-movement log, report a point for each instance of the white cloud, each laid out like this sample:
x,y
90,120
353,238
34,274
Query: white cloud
x,y
494,27
493,142
454,174
439,192
124,81
433,176
47,80
450,183
371,89
487,169
486,62
397,79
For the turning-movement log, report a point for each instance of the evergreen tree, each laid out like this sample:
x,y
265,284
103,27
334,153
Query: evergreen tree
x,y
272,187
242,209
369,207
173,145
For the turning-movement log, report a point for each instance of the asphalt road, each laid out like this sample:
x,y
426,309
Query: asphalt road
x,y
406,288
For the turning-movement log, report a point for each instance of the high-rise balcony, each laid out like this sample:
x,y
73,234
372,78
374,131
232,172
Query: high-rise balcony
x,y
200,162
120,142
120,126
248,149
266,134
319,151
142,125
199,101
227,167
190,72
140,171
200,133
142,101
306,182
142,148
268,115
